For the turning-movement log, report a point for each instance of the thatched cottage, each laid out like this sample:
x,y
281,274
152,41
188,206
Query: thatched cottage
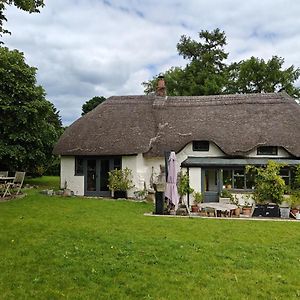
x,y
214,138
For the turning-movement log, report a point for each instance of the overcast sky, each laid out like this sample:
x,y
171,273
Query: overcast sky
x,y
86,48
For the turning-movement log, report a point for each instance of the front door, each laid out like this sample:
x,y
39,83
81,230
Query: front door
x,y
96,175
210,184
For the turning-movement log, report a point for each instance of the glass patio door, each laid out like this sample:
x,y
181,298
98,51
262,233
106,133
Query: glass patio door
x,y
91,176
96,176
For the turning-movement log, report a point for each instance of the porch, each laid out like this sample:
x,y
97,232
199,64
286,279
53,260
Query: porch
x,y
210,175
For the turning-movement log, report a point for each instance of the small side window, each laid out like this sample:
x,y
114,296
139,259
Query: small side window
x,y
200,145
78,166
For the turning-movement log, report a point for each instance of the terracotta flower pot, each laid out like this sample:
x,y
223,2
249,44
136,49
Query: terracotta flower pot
x,y
237,212
247,211
195,208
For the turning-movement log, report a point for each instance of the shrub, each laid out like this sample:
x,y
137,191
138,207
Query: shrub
x,y
198,197
226,194
269,186
120,180
184,184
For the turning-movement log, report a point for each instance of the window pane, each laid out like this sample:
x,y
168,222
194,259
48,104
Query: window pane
x,y
286,180
91,175
285,175
267,150
250,181
200,145
284,172
78,166
104,169
238,179
227,178
117,163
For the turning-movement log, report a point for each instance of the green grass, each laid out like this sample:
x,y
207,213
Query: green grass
x,y
79,248
45,182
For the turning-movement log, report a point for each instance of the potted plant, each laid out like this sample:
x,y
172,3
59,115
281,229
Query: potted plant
x,y
184,186
119,182
235,201
141,195
294,201
226,197
198,198
247,209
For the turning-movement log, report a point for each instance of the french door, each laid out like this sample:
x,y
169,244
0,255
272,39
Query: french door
x,y
96,175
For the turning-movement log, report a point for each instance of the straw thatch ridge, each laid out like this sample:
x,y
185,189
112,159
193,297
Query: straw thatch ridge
x,y
151,125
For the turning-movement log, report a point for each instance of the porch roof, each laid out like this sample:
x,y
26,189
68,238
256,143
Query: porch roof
x,y
234,162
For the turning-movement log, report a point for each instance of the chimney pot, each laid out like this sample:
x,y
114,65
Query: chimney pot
x,y
161,87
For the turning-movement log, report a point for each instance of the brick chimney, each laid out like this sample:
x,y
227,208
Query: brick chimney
x,y
161,90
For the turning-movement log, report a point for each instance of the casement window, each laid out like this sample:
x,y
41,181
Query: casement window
x,y
200,145
238,179
285,175
267,150
78,166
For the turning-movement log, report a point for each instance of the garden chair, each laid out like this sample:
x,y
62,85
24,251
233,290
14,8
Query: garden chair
x,y
3,173
2,183
15,184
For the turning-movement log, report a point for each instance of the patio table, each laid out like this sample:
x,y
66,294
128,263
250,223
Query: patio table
x,y
218,207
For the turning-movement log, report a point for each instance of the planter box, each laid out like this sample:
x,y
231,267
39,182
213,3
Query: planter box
x,y
120,194
259,210
266,210
272,211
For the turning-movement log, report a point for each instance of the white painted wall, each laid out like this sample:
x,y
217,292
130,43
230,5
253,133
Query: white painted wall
x,y
153,165
214,151
142,168
131,162
195,181
195,173
67,171
281,153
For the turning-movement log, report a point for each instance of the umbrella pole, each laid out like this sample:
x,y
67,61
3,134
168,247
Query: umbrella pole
x,y
187,207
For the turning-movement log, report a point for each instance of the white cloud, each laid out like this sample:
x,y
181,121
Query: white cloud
x,y
85,48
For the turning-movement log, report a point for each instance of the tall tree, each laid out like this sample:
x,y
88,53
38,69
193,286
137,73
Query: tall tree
x,y
31,6
256,75
29,124
205,72
91,104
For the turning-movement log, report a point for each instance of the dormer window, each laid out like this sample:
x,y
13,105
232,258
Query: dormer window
x,y
200,145
267,150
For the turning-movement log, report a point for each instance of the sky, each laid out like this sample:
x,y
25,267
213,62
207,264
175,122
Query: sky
x,y
87,48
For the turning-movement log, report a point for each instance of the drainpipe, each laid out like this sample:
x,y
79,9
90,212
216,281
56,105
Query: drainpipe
x,y
188,195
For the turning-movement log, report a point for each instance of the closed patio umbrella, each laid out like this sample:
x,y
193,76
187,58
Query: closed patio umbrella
x,y
171,188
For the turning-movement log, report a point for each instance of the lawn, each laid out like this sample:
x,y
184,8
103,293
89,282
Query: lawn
x,y
82,248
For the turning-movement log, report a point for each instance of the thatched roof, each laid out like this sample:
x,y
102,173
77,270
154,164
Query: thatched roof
x,y
151,125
